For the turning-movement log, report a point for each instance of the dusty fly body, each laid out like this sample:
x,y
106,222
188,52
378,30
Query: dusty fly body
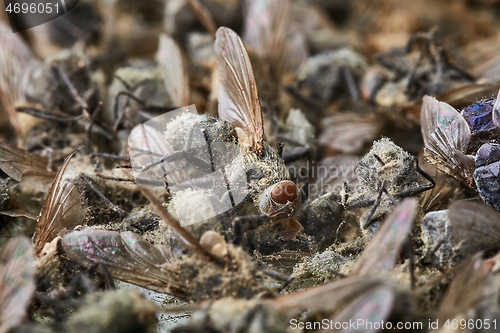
x,y
385,174
219,163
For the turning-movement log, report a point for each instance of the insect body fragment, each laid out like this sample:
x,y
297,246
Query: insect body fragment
x,y
202,153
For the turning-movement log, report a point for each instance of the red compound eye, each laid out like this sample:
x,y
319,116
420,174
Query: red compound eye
x,y
284,192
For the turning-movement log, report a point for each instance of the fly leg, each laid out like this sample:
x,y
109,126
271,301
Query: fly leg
x,y
419,189
119,112
86,179
351,83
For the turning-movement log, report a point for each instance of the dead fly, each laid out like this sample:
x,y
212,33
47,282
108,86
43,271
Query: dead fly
x,y
451,137
63,88
465,228
325,77
139,92
409,75
223,164
354,298
214,270
378,257
17,282
386,173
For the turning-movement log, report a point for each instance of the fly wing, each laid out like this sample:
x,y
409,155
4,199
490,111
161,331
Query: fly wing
x,y
381,253
170,59
16,66
469,288
328,297
446,136
266,26
348,132
238,96
440,196
17,281
30,169
475,226
125,255
374,306
62,210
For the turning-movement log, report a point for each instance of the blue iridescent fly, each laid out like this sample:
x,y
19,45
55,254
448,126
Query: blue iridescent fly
x,y
464,145
479,117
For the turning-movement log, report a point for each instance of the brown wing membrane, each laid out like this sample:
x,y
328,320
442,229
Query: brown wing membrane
x,y
468,288
171,62
30,169
16,65
238,96
62,210
446,137
381,253
475,226
126,256
330,296
17,281
266,27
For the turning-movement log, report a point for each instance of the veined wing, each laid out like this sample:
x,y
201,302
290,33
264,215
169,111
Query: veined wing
x,y
62,210
125,255
446,137
170,59
30,169
239,101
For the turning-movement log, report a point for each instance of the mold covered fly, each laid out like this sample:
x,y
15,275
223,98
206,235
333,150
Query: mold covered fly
x,y
212,166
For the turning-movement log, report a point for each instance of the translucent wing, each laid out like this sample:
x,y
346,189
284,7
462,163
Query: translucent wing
x,y
170,59
374,306
30,169
238,96
17,281
266,27
475,226
467,289
125,255
328,297
381,253
16,66
446,137
62,210
348,132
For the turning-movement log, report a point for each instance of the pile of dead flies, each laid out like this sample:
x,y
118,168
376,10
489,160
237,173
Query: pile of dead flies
x,y
251,166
